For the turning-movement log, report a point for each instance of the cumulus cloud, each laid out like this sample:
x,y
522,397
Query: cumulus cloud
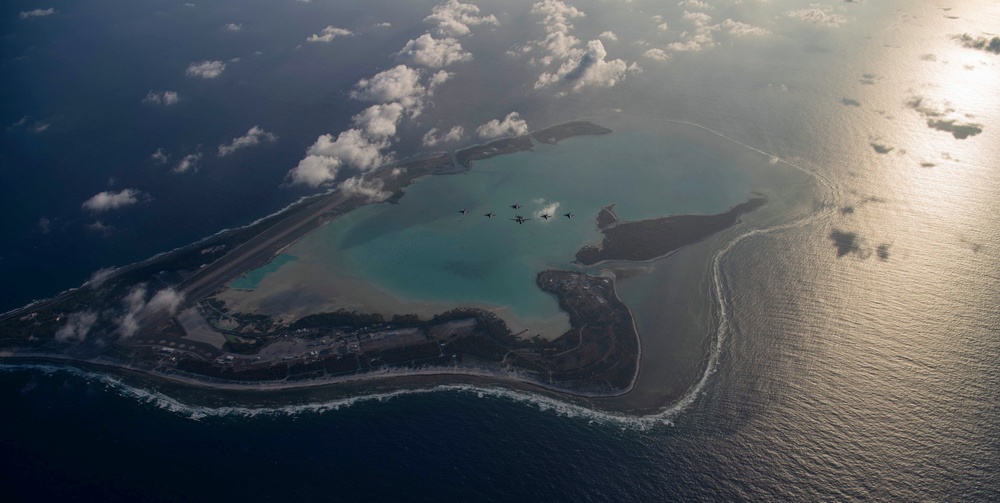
x,y
980,43
455,18
512,125
314,170
435,53
232,27
437,79
545,208
159,157
328,34
188,163
400,84
166,98
371,189
28,14
558,42
100,276
327,155
108,200
591,69
609,36
698,39
380,121
100,228
579,67
77,326
351,147
694,3
657,54
166,301
432,138
741,29
818,14
937,118
254,136
205,69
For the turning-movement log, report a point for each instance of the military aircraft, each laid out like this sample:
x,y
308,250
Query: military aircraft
x,y
463,211
568,215
490,215
546,216
515,206
519,219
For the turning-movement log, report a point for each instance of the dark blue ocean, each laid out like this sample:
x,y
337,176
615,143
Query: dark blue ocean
x,y
860,351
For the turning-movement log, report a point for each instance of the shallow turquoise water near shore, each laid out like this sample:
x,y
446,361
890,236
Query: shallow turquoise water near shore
x,y
251,279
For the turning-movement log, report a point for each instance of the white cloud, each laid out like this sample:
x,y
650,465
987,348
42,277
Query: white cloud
x,y
657,54
328,34
455,18
740,29
232,27
400,84
379,121
609,36
371,189
101,228
545,208
437,79
700,38
694,3
556,19
206,69
591,69
663,27
107,200
351,147
166,97
254,136
100,276
315,170
40,127
77,326
166,301
384,25
512,125
28,14
818,14
189,162
159,157
431,138
435,53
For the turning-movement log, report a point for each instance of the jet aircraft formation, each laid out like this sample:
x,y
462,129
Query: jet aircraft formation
x,y
517,218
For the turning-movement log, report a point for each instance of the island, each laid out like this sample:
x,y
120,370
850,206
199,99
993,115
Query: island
x,y
658,237
192,340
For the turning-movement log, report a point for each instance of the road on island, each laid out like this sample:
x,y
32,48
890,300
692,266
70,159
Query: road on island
x,y
257,250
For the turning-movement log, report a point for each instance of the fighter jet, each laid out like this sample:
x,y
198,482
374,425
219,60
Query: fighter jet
x,y
520,220
568,215
515,206
546,216
463,211
490,215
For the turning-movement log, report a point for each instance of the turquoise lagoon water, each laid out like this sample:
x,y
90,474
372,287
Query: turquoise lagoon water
x,y
251,280
424,249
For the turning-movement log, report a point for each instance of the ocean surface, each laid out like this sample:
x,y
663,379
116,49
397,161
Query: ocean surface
x,y
852,343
